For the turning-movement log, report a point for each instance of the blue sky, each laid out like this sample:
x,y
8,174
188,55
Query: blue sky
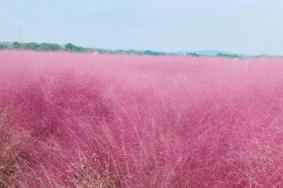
x,y
243,26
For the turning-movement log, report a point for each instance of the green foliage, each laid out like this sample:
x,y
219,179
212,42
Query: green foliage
x,y
16,45
73,48
45,47
101,51
50,47
37,46
70,47
4,46
228,55
194,54
32,45
150,52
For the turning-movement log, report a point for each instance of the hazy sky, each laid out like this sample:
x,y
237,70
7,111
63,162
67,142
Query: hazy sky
x,y
244,26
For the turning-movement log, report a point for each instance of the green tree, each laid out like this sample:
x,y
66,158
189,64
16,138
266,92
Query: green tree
x,y
73,48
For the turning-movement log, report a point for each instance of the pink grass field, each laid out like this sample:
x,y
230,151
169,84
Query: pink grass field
x,y
85,120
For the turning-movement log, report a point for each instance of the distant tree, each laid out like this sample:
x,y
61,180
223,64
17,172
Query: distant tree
x,y
32,46
150,52
228,55
193,54
4,46
50,47
17,45
37,46
73,48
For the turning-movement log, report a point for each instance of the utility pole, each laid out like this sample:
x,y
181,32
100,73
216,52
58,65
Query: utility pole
x,y
20,34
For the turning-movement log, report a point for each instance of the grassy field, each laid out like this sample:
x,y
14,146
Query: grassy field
x,y
93,120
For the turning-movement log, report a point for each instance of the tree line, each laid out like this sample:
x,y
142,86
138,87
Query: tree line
x,y
70,47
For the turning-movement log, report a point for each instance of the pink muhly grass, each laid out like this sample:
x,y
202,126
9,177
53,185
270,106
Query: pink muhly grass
x,y
79,120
